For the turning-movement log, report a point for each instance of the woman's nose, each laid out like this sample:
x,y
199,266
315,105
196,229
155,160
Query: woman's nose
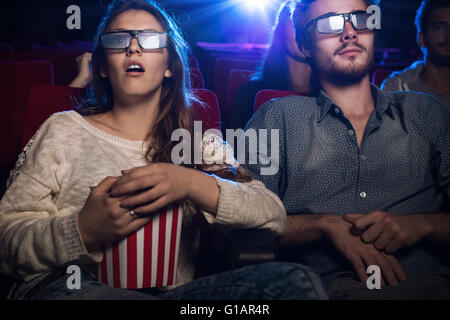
x,y
134,47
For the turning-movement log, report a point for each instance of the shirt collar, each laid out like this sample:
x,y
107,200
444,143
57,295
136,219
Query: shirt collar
x,y
383,103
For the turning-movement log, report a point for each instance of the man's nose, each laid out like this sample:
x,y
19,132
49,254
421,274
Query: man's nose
x,y
349,33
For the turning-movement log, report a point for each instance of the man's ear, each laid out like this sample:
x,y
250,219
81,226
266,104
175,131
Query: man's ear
x,y
304,47
421,40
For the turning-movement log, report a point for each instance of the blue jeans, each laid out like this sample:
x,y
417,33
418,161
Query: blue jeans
x,y
266,281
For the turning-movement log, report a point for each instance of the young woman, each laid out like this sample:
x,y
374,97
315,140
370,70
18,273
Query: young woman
x,y
92,177
284,68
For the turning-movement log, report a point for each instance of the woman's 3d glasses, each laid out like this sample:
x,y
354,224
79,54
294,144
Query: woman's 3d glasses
x,y
334,23
121,39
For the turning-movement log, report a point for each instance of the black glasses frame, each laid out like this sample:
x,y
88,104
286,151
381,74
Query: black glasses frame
x,y
134,34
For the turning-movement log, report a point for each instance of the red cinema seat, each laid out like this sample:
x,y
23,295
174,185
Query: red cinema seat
x,y
197,81
193,62
236,79
209,112
379,75
17,79
64,62
222,69
266,95
44,100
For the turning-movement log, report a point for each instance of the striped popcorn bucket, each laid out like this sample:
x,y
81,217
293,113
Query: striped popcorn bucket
x,y
147,258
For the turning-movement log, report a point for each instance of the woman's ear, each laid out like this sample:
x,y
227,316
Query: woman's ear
x,y
168,73
103,73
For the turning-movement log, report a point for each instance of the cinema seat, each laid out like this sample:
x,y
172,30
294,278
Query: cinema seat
x,y
222,68
16,81
266,95
64,62
193,62
236,79
45,100
197,81
209,112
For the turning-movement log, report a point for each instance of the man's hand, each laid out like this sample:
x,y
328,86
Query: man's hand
x,y
387,231
361,254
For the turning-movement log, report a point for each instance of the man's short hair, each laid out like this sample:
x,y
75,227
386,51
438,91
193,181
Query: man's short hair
x,y
427,7
299,19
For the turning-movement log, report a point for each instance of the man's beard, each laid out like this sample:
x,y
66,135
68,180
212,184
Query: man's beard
x,y
345,73
440,60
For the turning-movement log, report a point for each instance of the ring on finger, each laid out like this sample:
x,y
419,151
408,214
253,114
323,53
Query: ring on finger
x,y
133,214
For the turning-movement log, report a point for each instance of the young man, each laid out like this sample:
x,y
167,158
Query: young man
x,y
363,175
432,75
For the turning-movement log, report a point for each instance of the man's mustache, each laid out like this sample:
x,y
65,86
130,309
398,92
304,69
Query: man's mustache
x,y
445,43
346,45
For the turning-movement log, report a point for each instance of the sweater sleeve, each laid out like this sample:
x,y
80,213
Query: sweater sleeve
x,y
35,236
241,205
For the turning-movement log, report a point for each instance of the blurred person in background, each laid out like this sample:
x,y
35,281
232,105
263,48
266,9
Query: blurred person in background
x,y
84,76
284,68
432,75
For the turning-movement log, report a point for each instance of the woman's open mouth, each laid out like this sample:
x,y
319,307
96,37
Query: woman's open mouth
x,y
133,68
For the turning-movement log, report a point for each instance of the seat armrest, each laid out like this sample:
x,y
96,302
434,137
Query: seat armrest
x,y
251,246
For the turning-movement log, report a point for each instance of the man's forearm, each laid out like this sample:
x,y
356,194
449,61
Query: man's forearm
x,y
305,228
440,227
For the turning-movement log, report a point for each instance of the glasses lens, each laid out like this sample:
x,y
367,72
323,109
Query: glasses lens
x,y
359,20
152,40
333,24
120,40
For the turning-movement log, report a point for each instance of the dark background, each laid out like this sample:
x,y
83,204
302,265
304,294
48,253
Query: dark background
x,y
201,20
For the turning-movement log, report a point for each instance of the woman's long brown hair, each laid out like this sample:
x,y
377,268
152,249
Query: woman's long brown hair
x,y
176,95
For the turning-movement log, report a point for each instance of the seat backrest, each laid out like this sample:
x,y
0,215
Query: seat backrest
x,y
193,62
268,94
197,81
379,75
209,112
222,68
236,79
64,62
16,81
44,100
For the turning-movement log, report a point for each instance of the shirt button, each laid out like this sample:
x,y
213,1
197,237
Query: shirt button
x,y
362,194
351,132
336,110
363,157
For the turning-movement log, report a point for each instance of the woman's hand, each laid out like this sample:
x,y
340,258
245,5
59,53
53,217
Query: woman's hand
x,y
102,220
156,185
